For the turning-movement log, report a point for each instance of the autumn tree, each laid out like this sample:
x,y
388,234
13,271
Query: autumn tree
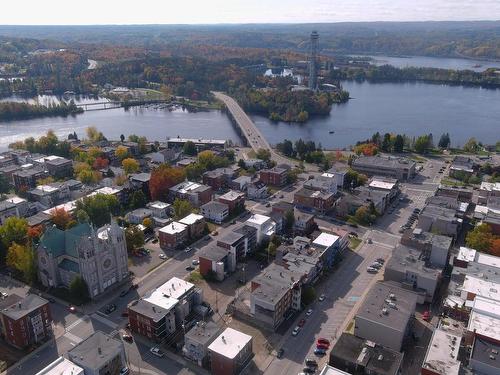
x,y
148,223
61,218
99,208
130,165
189,148
94,135
100,163
263,154
22,258
162,179
14,229
121,152
34,233
480,238
366,149
134,238
182,208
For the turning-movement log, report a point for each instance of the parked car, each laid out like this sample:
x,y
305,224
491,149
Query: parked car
x,y
189,268
125,371
309,312
156,351
72,309
309,370
371,270
188,249
134,286
124,292
195,262
4,295
296,331
321,298
280,353
155,240
319,352
322,346
380,260
162,256
127,338
426,316
311,363
110,308
323,341
51,300
302,322
376,265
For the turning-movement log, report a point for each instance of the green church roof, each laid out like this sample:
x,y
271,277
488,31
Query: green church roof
x,y
59,242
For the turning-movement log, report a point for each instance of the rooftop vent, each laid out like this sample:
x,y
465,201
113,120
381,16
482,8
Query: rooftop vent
x,y
380,357
392,296
385,311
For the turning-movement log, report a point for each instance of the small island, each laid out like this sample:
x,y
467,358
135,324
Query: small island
x,y
20,111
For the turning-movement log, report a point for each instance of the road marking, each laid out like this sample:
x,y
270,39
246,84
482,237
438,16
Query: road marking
x,y
105,321
76,322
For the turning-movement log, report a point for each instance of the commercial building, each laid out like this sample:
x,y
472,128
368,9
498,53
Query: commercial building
x,y
363,357
400,168
99,257
440,220
197,341
275,176
462,166
217,261
235,200
196,194
26,178
385,317
435,247
173,235
152,316
408,267
314,200
230,352
99,354
50,195
61,366
329,370
329,247
200,144
325,183
385,184
25,321
487,190
218,178
240,183
442,353
215,211
484,358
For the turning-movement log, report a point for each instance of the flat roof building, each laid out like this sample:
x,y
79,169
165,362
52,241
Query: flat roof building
x,y
442,354
61,366
230,352
402,169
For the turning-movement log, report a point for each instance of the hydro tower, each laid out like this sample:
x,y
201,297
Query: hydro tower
x,y
313,63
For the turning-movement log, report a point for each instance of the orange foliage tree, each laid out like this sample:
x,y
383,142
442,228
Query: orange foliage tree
x,y
367,149
162,179
61,218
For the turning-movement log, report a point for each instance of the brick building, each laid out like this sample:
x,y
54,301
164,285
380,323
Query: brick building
x,y
274,176
230,352
235,200
314,200
173,235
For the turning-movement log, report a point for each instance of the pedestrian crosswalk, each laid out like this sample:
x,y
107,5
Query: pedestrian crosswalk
x,y
105,321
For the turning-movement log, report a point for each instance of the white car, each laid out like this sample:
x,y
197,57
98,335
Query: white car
x,y
195,262
321,298
4,295
125,371
188,249
296,331
309,312
162,256
371,270
156,351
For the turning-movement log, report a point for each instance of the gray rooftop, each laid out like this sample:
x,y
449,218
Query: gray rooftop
x,y
142,177
385,162
406,259
148,309
95,351
231,237
213,253
203,333
374,358
274,282
389,306
438,212
24,306
6,205
486,352
215,206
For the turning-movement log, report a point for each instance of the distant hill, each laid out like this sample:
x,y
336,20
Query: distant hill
x,y
477,39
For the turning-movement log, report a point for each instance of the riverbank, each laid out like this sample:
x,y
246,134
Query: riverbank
x,y
14,111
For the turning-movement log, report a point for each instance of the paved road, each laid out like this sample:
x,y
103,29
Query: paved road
x,y
343,290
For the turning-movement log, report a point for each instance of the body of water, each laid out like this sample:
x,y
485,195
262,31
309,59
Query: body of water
x,y
410,108
433,62
153,123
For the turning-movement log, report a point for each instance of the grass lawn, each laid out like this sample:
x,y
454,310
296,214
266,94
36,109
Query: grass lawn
x,y
195,277
354,243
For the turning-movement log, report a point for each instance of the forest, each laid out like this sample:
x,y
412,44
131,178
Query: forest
x,y
18,111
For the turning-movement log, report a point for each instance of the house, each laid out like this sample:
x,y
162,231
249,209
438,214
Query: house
x,y
196,194
230,352
197,341
163,156
235,200
388,166
487,190
364,357
57,166
7,209
275,176
138,215
240,183
159,209
385,184
141,180
185,162
99,354
173,235
61,366
407,266
216,260
462,166
263,224
314,200
22,206
218,178
256,164
215,211
26,178
282,207
153,316
195,225
257,190
275,293
25,321
98,256
385,316
492,218
50,195
8,172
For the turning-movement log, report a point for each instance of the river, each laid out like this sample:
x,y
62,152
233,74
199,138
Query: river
x,y
410,108
433,62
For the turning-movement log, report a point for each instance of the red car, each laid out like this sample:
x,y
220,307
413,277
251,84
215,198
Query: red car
x,y
322,346
302,322
426,316
322,341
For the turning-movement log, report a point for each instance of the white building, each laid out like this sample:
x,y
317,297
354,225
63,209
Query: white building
x,y
215,211
160,209
61,366
265,226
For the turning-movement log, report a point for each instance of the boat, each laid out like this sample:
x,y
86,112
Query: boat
x,y
331,132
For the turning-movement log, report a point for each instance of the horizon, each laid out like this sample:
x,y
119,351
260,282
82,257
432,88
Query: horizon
x,y
235,12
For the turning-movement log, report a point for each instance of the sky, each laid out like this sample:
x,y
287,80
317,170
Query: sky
x,y
65,12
